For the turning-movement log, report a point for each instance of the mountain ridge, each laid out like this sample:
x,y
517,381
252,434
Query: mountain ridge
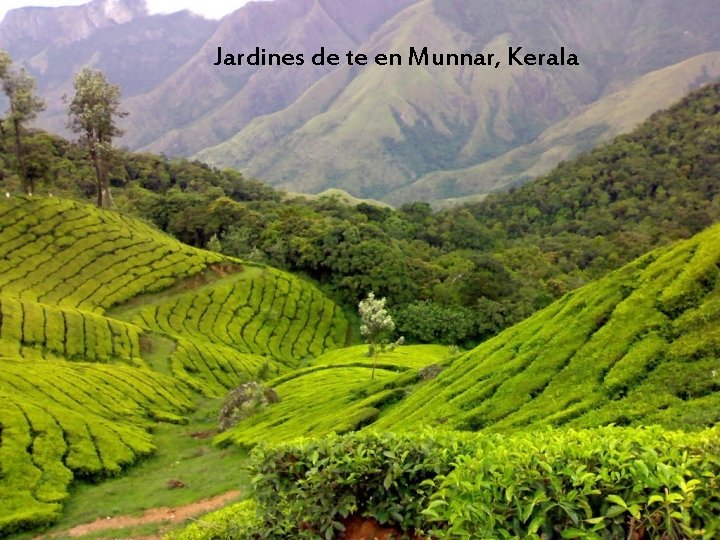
x,y
415,121
427,131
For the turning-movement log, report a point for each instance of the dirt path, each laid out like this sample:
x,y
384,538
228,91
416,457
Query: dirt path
x,y
154,515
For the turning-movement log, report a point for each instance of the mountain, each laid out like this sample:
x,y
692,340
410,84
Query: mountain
x,y
27,31
375,132
613,115
414,132
201,105
136,50
178,101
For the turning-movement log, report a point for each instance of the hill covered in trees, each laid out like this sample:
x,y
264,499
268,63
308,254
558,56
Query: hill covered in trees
x,y
455,276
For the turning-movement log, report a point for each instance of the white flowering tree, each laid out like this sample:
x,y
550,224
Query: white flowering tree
x,y
376,325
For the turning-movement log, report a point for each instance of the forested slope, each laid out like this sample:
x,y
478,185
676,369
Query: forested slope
x,y
456,276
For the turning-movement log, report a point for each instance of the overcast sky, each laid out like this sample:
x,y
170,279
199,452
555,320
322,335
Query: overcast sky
x,y
209,8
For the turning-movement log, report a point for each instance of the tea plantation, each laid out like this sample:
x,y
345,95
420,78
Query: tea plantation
x,y
638,348
335,394
108,326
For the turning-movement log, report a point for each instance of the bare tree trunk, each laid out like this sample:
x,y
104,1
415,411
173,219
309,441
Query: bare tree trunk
x,y
107,194
21,158
98,174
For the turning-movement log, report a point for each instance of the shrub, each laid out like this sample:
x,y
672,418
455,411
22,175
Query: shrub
x,y
236,522
600,483
309,489
244,401
604,483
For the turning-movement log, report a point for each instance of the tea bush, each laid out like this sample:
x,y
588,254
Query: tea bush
x,y
601,483
307,489
236,521
108,326
638,347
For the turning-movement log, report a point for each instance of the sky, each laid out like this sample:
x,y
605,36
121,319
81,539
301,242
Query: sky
x,y
209,8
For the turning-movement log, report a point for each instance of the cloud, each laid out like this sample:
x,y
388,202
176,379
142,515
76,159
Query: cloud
x,y
213,10
210,9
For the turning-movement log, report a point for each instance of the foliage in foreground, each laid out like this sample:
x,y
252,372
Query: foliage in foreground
x,y
602,483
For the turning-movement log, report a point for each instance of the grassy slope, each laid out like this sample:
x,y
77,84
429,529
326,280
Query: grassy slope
x,y
81,388
336,393
638,347
342,196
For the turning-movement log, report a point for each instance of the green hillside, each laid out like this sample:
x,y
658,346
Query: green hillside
x,y
339,392
638,347
593,419
108,326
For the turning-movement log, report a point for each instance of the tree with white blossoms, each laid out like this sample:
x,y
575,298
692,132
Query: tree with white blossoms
x,y
376,325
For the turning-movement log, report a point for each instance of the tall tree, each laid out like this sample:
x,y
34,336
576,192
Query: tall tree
x,y
93,112
20,89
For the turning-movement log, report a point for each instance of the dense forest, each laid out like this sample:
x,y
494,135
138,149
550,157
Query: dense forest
x,y
456,276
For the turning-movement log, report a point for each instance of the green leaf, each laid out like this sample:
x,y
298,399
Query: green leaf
x,y
573,533
388,481
617,500
535,524
615,511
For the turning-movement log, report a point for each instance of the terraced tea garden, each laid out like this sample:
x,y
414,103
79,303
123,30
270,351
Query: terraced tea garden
x,y
108,326
639,347
336,394
110,332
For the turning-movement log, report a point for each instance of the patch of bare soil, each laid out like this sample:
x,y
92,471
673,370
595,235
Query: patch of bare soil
x,y
154,515
212,272
357,528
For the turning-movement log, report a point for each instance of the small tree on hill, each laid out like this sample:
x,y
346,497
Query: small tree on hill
x,y
376,325
93,112
20,88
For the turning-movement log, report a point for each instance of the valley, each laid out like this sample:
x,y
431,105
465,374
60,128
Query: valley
x,y
526,345
119,343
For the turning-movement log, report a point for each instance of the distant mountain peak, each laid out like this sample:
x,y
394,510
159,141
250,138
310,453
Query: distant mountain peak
x,y
30,29
120,11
